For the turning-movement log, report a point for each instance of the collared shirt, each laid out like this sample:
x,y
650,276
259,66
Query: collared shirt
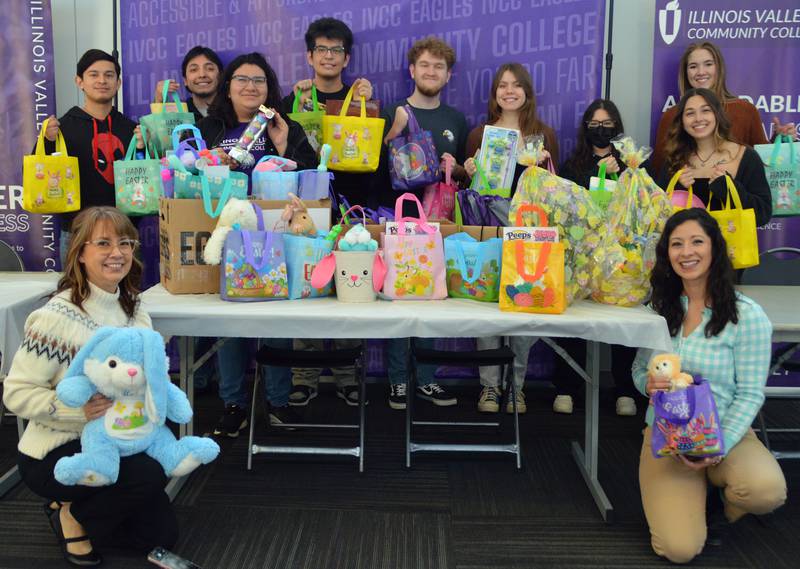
x,y
735,362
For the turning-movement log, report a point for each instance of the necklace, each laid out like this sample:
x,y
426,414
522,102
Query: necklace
x,y
700,158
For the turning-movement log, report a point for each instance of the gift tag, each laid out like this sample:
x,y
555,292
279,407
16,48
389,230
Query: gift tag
x,y
409,229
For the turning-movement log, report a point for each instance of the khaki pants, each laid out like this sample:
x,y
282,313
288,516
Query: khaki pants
x,y
344,376
674,496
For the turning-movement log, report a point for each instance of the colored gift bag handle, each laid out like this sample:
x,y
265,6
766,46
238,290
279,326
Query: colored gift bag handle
x,y
61,144
462,261
195,132
519,246
732,191
279,159
413,125
601,175
346,104
247,243
776,150
131,153
165,96
296,102
421,221
671,189
223,198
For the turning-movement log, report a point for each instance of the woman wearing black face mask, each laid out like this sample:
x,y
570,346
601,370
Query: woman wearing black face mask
x,y
601,123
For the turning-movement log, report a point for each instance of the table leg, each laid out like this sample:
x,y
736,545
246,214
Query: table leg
x,y
586,457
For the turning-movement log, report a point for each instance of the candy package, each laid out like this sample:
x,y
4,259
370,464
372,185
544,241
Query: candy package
x,y
569,208
635,216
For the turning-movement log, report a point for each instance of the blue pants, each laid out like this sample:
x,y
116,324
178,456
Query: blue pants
x,y
397,361
233,358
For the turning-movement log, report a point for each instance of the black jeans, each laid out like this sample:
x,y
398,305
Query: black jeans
x,y
134,513
568,382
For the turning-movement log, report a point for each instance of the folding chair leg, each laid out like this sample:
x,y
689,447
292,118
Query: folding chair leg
x,y
411,385
762,427
253,404
362,404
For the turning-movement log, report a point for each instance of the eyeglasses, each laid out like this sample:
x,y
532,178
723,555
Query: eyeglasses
x,y
324,50
125,246
243,80
597,124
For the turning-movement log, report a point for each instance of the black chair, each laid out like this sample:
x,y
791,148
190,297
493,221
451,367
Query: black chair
x,y
503,357
276,357
778,267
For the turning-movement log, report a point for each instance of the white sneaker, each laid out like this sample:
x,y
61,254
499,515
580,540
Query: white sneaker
x,y
522,407
489,401
626,406
563,404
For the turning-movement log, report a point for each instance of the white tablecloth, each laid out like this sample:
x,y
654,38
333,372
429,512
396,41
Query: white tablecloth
x,y
207,315
20,294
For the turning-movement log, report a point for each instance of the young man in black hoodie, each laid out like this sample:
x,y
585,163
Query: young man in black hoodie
x,y
95,133
202,69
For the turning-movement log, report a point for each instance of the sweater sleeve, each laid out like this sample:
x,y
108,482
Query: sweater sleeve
x,y
298,148
29,389
755,130
752,352
639,369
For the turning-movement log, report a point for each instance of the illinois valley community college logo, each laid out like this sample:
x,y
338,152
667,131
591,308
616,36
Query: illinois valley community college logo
x,y
669,21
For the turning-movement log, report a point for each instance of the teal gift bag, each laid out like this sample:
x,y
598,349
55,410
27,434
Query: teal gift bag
x,y
782,166
190,186
160,123
473,267
138,183
302,255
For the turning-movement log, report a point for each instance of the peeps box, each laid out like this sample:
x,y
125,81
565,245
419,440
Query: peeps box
x,y
184,228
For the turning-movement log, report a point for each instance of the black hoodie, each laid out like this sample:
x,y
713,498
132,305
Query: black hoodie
x,y
88,139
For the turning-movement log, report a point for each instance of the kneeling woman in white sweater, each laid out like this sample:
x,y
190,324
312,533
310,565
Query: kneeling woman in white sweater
x,y
99,287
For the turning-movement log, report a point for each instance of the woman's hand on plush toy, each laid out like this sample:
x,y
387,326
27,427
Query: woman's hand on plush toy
x,y
657,383
97,406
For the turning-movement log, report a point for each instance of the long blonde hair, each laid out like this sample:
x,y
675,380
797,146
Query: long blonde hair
x,y
75,278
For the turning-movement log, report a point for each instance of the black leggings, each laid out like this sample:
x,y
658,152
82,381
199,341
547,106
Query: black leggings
x,y
133,513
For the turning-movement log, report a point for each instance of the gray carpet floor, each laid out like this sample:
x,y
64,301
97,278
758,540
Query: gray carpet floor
x,y
447,512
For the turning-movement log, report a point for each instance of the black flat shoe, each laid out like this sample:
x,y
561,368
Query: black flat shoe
x,y
91,559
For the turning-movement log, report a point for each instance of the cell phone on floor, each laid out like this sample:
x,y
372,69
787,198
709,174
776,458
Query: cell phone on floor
x,y
168,560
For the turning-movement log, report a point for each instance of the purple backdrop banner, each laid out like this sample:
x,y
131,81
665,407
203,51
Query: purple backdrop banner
x,y
560,42
27,240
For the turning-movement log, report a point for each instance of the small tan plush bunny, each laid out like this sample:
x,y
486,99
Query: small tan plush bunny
x,y
296,216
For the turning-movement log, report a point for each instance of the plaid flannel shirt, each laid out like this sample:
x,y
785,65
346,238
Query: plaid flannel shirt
x,y
735,362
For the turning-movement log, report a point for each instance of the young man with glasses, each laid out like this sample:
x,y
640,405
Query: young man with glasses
x,y
201,68
96,133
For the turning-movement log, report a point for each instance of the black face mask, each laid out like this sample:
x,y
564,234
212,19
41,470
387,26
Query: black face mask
x,y
601,136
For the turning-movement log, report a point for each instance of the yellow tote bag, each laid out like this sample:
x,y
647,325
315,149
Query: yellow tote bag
x,y
738,226
532,277
355,141
50,183
682,199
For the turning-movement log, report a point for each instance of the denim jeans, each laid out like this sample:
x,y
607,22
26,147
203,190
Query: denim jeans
x,y
233,358
397,361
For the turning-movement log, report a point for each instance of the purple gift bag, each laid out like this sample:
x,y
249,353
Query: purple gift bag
x,y
413,160
686,422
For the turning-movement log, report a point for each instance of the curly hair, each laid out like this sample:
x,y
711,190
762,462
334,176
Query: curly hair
x,y
720,88
680,144
529,123
581,159
332,29
222,107
667,286
436,47
75,277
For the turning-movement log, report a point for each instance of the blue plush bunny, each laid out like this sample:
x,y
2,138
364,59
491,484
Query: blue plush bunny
x,y
129,366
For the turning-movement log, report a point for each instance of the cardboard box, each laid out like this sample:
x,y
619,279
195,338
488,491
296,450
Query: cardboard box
x,y
184,229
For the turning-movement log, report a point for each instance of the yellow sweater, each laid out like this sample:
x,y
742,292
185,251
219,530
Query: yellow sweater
x,y
53,335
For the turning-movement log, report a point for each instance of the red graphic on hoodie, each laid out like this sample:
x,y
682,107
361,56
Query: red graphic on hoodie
x,y
106,148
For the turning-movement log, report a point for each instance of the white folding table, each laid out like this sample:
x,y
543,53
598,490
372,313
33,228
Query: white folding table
x,y
187,316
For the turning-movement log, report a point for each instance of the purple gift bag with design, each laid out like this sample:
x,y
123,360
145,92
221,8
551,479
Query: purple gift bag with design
x,y
254,265
686,422
413,160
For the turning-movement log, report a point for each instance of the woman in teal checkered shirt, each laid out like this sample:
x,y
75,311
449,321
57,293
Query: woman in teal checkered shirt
x,y
724,337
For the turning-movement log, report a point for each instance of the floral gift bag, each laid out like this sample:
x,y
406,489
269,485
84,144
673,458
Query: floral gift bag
x,y
414,257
